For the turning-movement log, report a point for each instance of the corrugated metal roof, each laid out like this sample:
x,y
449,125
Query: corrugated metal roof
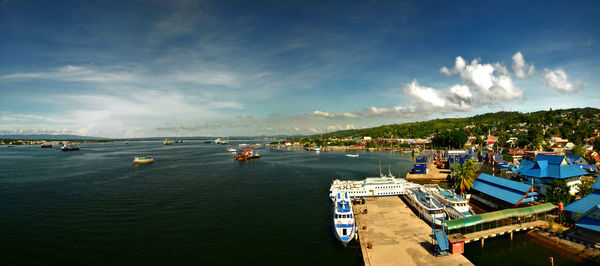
x,y
586,203
552,159
518,186
544,168
589,223
596,184
498,215
497,191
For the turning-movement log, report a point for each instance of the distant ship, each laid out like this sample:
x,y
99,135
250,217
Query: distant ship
x,y
46,145
429,208
167,142
315,148
231,150
344,225
69,148
246,155
382,186
352,155
143,159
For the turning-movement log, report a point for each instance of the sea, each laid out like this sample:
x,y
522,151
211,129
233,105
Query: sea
x,y
194,205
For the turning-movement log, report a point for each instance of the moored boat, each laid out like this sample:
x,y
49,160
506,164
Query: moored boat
x,y
167,142
352,155
143,159
382,186
231,149
429,208
455,205
344,225
46,145
317,148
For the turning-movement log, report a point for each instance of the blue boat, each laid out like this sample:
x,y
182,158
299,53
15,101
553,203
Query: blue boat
x,y
344,226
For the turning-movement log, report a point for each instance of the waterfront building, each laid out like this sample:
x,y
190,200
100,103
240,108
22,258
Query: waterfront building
x,y
544,169
500,193
586,213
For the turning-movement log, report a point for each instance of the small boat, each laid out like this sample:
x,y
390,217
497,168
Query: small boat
x,y
46,145
246,155
231,149
207,141
126,142
352,155
179,141
456,206
315,148
167,142
416,152
344,225
143,159
69,148
429,208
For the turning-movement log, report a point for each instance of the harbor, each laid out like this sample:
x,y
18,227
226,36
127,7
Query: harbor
x,y
391,234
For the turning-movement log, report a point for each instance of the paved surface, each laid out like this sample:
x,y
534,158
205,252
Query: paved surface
x,y
433,174
397,235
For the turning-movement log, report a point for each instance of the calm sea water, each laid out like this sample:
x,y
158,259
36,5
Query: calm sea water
x,y
194,205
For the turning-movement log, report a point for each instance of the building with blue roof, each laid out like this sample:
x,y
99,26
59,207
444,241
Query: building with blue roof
x,y
499,193
586,211
545,168
576,159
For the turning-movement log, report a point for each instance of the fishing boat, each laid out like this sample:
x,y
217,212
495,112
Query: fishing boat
x,y
246,155
429,208
167,142
455,205
207,141
352,155
231,149
69,148
344,226
143,159
382,186
46,145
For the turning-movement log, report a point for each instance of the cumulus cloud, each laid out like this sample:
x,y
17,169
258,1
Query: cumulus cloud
x,y
559,81
521,68
483,84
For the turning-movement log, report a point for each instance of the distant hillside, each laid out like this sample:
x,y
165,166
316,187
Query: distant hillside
x,y
48,137
500,121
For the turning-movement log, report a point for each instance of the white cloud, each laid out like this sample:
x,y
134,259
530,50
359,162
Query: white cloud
x,y
329,115
559,81
459,65
520,67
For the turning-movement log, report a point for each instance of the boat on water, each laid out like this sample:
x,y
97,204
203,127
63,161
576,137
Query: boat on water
x,y
416,152
382,186
231,149
246,155
317,148
167,142
143,159
455,205
69,148
352,155
46,145
428,207
207,141
344,225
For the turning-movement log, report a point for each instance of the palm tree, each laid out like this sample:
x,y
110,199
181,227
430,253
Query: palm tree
x,y
463,175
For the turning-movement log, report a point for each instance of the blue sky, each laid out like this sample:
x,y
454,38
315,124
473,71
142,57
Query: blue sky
x,y
216,68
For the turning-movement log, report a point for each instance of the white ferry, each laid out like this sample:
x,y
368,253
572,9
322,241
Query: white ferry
x,y
430,209
456,206
344,226
385,185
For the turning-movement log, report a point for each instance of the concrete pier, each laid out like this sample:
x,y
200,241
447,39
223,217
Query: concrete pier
x,y
396,236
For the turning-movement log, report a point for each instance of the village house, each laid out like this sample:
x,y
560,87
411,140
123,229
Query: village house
x,y
544,169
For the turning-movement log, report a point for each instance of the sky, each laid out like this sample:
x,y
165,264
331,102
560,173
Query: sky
x,y
127,69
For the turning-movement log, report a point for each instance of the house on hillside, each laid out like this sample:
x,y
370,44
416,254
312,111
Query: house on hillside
x,y
576,159
544,169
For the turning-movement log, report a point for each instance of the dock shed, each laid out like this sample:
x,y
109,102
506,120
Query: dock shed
x,y
499,193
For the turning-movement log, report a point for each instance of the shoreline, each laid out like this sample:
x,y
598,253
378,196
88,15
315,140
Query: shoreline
x,y
562,246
